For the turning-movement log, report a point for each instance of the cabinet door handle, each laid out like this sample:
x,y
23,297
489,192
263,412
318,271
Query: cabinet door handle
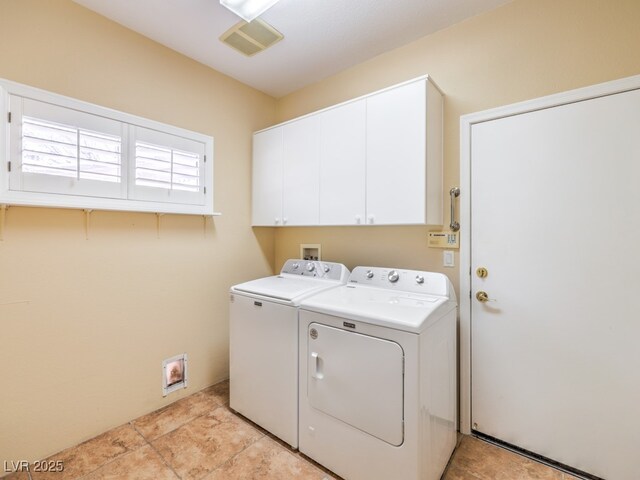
x,y
277,220
284,220
371,218
358,219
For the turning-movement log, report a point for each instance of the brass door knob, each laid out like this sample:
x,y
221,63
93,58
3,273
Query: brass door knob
x,y
482,296
482,272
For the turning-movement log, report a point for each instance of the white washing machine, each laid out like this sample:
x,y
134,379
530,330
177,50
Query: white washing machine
x,y
378,375
263,351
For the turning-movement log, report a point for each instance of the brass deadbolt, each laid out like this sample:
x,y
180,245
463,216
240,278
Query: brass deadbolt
x,y
482,272
482,296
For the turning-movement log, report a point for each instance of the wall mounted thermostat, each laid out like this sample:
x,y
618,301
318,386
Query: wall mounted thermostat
x,y
443,240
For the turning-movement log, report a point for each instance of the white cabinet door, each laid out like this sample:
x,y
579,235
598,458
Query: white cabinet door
x,y
343,164
396,155
301,156
267,177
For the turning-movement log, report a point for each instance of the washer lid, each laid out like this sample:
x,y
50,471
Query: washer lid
x,y
284,288
400,310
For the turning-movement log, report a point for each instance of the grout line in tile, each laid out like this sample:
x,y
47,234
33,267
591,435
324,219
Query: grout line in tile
x,y
129,452
138,431
293,451
255,426
230,459
166,462
237,416
149,440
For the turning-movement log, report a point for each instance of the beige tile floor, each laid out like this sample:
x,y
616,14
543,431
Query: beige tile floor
x,y
199,437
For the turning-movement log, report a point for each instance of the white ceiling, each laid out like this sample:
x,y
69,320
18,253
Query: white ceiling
x,y
322,37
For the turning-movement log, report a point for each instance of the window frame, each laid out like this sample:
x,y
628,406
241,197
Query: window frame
x,y
11,148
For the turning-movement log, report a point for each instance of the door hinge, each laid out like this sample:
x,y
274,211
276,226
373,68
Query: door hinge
x,y
205,159
469,293
205,190
8,166
9,117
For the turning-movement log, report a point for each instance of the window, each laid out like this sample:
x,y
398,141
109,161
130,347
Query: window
x,y
65,153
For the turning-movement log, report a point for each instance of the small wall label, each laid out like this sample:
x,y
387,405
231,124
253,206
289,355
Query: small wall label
x,y
443,240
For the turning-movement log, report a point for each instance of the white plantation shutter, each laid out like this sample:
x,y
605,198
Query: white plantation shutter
x,y
52,149
163,167
61,152
65,151
168,168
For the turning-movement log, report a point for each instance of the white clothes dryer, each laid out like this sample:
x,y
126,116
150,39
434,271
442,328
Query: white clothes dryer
x,y
378,375
263,342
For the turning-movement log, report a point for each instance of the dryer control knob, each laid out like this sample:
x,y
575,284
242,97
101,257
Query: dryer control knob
x,y
326,268
393,276
295,266
419,279
369,274
310,267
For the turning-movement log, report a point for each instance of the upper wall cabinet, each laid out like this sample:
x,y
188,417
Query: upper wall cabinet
x,y
375,160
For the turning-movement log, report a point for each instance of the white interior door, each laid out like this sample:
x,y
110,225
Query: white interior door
x,y
555,219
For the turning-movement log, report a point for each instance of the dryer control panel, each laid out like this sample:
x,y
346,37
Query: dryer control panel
x,y
315,269
413,281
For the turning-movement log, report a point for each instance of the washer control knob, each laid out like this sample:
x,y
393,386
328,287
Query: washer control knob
x,y
393,276
295,265
326,268
419,279
310,267
369,274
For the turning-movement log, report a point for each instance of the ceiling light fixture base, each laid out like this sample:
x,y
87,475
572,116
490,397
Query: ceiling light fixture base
x,y
248,9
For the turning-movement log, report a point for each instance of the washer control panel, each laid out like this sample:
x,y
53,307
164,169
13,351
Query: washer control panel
x,y
315,269
414,281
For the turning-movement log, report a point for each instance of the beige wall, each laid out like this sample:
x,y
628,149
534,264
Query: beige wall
x,y
526,49
83,352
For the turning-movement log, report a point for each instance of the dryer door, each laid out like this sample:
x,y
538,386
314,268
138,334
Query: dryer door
x,y
357,379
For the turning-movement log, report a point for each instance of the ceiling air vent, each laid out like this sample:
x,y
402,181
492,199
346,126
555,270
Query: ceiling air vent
x,y
251,38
